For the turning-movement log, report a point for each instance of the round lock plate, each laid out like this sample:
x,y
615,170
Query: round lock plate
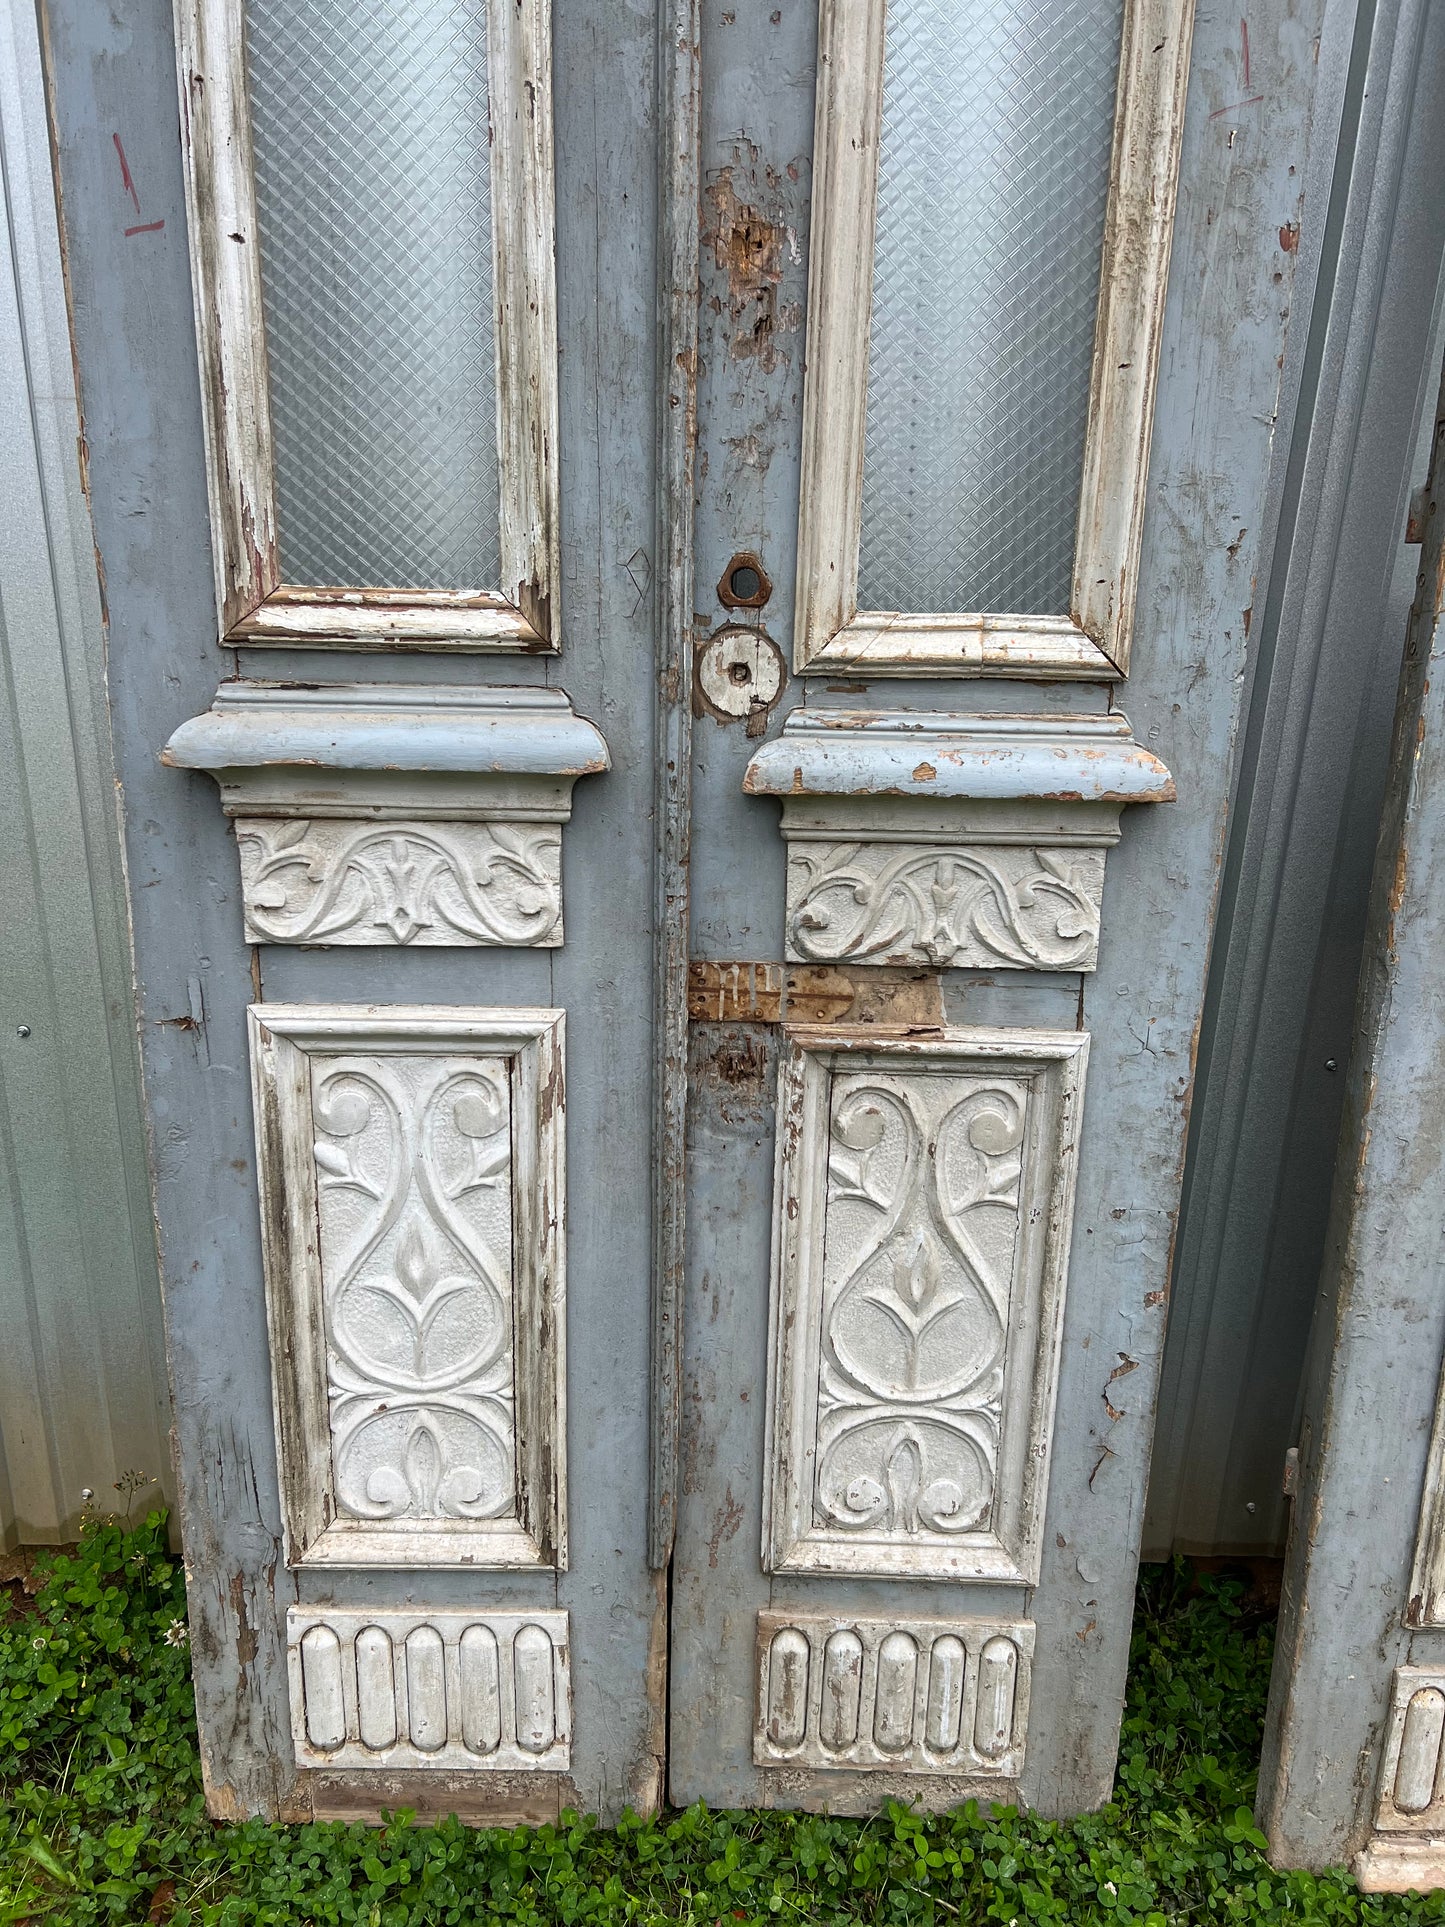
x,y
739,673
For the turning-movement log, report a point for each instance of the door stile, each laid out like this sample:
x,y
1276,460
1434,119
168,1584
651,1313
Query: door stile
x,y
679,108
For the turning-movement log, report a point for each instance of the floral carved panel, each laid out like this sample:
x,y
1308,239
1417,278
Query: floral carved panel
x,y
413,1163
411,1169
420,883
924,1195
966,905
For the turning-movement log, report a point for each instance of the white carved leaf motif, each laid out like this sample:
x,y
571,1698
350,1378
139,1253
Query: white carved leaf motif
x,y
419,883
955,905
920,1228
413,1165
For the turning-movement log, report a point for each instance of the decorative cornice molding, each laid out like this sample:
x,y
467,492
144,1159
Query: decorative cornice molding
x,y
929,754
962,841
377,814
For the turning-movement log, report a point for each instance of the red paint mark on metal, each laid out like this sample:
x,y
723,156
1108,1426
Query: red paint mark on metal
x,y
149,227
1244,47
125,175
1235,105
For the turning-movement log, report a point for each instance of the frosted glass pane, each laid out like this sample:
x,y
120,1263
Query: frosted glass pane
x,y
372,178
992,184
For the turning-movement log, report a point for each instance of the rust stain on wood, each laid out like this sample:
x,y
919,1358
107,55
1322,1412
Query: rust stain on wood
x,y
765,992
747,245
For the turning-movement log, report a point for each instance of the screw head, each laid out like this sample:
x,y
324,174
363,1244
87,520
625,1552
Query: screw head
x,y
1331,1064
22,1030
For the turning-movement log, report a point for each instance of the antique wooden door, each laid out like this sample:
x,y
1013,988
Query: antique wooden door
x,y
619,1257
981,483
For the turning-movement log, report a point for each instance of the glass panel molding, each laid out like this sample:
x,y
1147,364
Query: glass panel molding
x,y
993,182
371,144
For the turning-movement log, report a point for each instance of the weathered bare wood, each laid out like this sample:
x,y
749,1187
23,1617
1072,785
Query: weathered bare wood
x,y
226,282
1218,394
519,38
1138,234
677,251
386,619
134,330
848,117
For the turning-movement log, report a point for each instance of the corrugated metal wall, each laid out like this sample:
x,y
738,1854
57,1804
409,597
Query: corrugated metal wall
x,y
1330,614
83,1395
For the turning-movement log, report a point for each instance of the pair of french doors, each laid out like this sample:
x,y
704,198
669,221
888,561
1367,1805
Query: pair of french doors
x,y
677,587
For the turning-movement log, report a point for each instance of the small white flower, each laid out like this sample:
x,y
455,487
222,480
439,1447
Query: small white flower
x,y
1110,1888
177,1633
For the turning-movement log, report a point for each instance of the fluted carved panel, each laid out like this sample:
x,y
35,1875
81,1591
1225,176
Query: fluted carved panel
x,y
411,1190
925,1195
977,906
898,1695
417,883
443,1690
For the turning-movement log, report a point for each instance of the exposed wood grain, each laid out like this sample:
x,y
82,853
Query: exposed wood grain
x,y
1138,234
848,116
1225,322
230,324
386,619
676,428
519,40
1362,1567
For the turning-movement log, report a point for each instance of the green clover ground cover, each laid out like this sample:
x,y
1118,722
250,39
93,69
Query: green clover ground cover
x,y
102,1817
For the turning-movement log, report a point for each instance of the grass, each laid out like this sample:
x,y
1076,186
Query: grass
x,y
102,1817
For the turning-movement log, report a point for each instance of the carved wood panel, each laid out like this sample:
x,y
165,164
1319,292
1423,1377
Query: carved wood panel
x,y
401,1690
417,883
909,1695
925,1190
971,906
412,1200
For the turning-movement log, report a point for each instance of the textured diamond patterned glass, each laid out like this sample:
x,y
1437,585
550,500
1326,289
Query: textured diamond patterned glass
x,y
372,177
992,184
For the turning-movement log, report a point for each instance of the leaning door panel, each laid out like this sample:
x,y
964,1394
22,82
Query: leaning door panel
x,y
928,1261
415,1531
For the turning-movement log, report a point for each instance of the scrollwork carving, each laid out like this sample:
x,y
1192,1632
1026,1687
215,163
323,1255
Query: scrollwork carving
x,y
976,905
922,1215
925,1191
413,1164
415,883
